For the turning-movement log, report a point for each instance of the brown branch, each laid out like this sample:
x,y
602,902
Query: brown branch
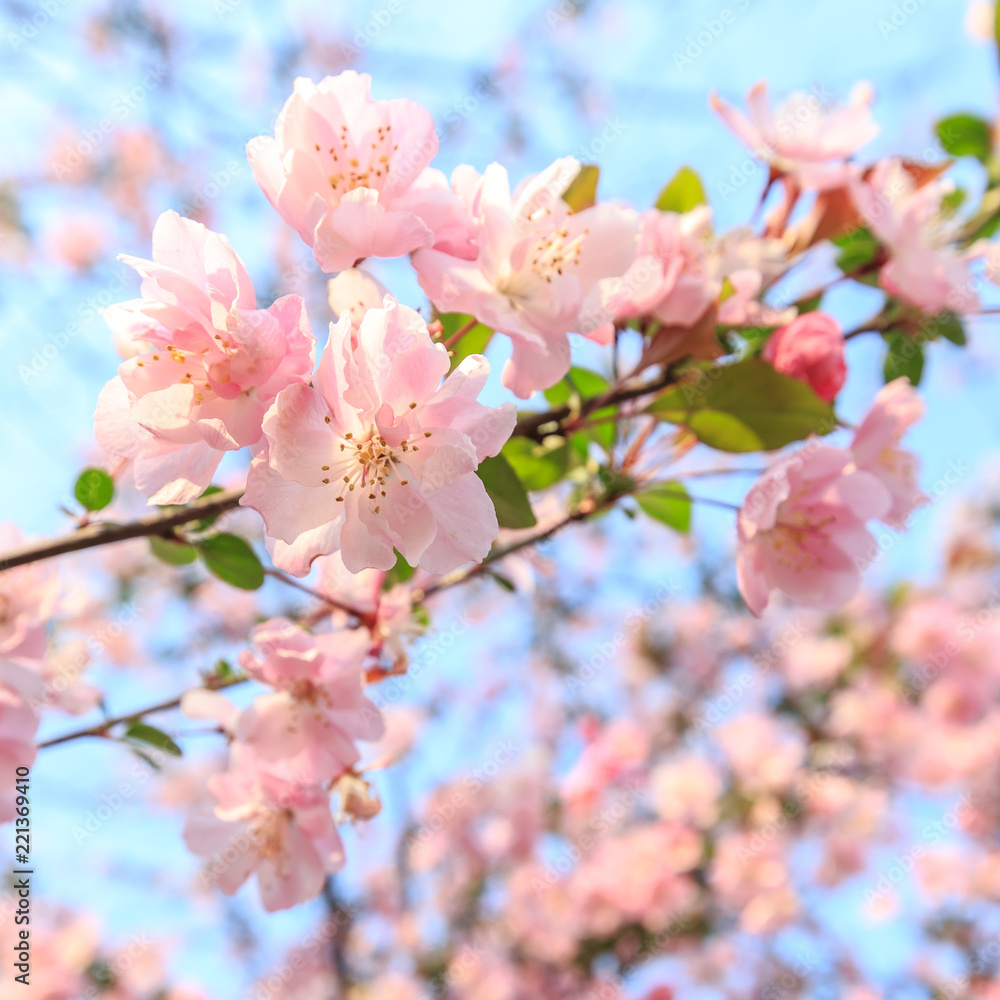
x,y
106,533
530,426
102,728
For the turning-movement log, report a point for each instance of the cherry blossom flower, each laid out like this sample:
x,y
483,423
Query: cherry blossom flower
x,y
355,291
264,822
541,270
802,529
811,349
682,267
923,268
669,279
896,408
318,708
211,366
380,454
803,138
390,620
343,170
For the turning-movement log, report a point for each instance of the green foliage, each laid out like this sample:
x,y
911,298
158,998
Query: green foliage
x,y
140,732
668,503
538,465
905,356
473,342
965,135
232,559
745,407
172,553
95,489
510,499
582,193
857,248
682,192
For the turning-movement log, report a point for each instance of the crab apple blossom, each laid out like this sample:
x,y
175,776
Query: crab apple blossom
x,y
802,529
210,367
344,170
803,138
355,291
924,267
381,454
540,270
272,824
318,708
897,407
811,349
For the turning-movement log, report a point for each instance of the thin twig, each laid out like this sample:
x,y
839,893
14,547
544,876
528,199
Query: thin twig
x,y
102,728
105,533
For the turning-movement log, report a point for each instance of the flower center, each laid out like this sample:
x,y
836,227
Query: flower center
x,y
351,167
366,464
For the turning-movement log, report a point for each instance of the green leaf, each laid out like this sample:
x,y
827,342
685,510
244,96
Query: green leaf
x,y
857,248
582,192
538,465
683,192
172,553
473,342
582,381
953,201
140,732
399,573
904,357
745,407
950,327
231,559
507,493
965,135
668,503
206,522
95,489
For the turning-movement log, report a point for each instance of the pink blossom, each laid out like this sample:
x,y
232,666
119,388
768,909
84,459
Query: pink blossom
x,y
355,291
390,619
615,752
802,529
803,138
764,754
923,268
265,823
686,789
811,349
669,279
211,366
380,454
318,708
28,597
540,270
345,170
897,407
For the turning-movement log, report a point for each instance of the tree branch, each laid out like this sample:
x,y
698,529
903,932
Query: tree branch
x,y
530,426
101,729
106,533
